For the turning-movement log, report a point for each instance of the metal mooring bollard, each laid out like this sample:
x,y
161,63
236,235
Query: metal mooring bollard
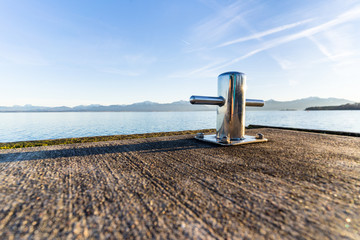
x,y
231,102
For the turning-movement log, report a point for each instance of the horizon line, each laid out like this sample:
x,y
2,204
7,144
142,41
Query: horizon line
x,y
120,104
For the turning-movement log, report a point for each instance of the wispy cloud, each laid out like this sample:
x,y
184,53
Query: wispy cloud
x,y
205,71
338,47
264,33
322,48
284,63
347,16
219,25
186,42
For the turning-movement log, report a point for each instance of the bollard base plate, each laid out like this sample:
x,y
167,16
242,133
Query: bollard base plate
x,y
212,139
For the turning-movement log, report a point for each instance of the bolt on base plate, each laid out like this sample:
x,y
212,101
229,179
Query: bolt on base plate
x,y
248,139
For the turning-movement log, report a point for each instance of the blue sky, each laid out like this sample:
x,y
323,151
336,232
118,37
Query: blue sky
x,y
55,53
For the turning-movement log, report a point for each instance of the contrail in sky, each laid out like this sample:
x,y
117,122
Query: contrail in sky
x,y
264,33
343,18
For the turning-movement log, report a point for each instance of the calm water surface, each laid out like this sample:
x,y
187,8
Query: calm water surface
x,y
36,126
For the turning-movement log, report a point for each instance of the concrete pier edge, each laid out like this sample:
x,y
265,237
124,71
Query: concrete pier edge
x,y
62,141
342,133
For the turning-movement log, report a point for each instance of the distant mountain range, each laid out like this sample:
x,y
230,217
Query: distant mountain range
x,y
180,106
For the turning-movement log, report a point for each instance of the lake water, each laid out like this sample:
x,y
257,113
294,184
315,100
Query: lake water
x,y
37,126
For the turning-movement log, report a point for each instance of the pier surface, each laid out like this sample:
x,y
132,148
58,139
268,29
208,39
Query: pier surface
x,y
299,185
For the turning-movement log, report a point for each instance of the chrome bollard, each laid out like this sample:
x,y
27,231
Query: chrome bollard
x,y
231,102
